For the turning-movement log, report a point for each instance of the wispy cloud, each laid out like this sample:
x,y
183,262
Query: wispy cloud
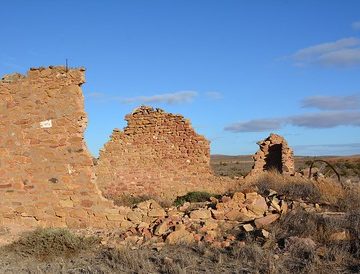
x,y
326,119
356,25
167,98
258,125
214,95
343,52
318,120
332,102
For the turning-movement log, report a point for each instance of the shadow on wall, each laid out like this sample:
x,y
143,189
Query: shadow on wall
x,y
273,160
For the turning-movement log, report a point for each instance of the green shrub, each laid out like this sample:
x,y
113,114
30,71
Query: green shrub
x,y
194,197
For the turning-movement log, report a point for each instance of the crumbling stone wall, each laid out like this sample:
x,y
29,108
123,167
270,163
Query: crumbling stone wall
x,y
158,153
46,172
274,153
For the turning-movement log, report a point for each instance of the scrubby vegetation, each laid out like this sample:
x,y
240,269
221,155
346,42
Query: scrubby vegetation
x,y
337,196
45,244
301,241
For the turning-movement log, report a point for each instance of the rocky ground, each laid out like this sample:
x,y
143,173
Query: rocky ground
x,y
271,224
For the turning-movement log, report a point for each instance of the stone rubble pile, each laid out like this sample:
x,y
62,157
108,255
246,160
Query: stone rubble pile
x,y
218,222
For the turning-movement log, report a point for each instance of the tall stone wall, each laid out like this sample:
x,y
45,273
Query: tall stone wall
x,y
46,172
158,154
274,153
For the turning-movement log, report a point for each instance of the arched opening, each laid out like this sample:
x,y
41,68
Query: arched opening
x,y
273,159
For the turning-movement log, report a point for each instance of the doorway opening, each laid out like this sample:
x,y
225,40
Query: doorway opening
x,y
273,160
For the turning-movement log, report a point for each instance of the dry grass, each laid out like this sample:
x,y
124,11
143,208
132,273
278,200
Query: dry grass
x,y
290,186
306,244
324,191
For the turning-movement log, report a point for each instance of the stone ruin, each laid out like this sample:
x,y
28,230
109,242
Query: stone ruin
x,y
46,172
274,154
157,154
47,176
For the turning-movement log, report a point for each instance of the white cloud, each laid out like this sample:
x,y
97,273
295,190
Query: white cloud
x,y
343,52
356,25
167,98
332,102
214,95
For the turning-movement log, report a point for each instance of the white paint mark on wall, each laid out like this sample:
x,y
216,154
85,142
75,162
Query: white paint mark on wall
x,y
46,124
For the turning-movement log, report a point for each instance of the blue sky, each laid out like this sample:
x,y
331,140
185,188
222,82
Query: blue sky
x,y
237,69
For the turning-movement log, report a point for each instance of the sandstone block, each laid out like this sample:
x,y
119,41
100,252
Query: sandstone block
x,y
237,215
66,203
115,217
200,214
258,206
161,229
180,236
267,220
248,227
239,197
134,216
157,212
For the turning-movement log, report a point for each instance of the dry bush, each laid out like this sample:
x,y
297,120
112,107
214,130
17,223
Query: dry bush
x,y
300,256
350,201
252,258
125,260
292,187
331,191
48,243
309,227
353,224
299,223
324,191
